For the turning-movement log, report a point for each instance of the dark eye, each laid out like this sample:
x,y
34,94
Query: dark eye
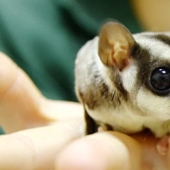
x,y
160,81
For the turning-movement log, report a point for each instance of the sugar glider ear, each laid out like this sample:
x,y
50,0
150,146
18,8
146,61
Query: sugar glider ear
x,y
115,45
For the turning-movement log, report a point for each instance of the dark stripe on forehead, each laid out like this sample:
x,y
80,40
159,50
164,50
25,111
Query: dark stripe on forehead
x,y
141,54
163,38
142,58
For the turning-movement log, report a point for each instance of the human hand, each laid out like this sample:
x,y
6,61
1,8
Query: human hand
x,y
37,128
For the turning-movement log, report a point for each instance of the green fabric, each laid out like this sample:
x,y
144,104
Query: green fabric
x,y
43,36
90,15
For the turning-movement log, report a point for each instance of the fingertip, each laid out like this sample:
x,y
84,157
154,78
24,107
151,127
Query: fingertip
x,y
80,155
98,151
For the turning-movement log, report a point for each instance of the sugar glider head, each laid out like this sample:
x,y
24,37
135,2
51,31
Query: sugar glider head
x,y
142,62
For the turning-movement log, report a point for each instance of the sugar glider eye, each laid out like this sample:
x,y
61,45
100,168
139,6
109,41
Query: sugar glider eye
x,y
160,81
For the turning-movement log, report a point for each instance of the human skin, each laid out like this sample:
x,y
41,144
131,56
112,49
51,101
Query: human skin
x,y
113,150
36,128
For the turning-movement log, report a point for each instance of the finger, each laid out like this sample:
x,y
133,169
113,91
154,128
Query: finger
x,y
37,148
102,151
20,100
62,110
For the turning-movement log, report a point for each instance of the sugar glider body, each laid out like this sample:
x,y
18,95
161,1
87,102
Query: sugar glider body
x,y
123,81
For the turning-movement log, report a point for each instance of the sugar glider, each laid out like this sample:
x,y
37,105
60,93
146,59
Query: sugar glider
x,y
123,80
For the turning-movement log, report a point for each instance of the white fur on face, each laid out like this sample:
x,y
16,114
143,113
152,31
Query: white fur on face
x,y
129,76
153,105
156,48
156,111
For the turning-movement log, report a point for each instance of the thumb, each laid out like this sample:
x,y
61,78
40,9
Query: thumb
x,y
101,151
